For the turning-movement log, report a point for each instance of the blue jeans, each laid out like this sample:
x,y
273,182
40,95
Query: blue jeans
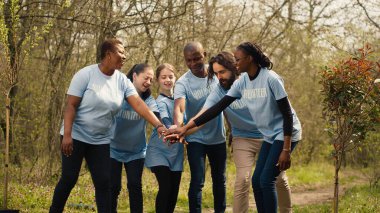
x,y
134,170
265,175
217,154
97,158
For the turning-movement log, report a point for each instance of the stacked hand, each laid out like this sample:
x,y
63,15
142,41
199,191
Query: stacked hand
x,y
162,131
176,134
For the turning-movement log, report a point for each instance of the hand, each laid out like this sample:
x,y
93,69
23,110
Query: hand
x,y
284,160
176,135
161,131
67,145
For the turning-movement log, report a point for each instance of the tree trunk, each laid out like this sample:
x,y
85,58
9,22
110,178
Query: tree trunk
x,y
338,161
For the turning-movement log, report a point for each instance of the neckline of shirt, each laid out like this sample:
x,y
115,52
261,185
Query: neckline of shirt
x,y
255,76
171,98
104,75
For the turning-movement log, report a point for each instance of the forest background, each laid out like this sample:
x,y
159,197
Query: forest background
x,y
46,41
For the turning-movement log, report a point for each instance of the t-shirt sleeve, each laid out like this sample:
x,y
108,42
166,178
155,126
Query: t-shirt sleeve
x,y
129,88
212,99
276,85
235,90
179,90
152,104
163,109
79,83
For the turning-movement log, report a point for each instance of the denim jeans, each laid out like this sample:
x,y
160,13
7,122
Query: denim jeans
x,y
134,170
97,158
168,187
196,153
265,175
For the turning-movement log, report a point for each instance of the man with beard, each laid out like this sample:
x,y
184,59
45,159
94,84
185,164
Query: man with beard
x,y
190,93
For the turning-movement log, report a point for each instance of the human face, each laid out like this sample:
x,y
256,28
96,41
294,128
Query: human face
x,y
195,61
117,57
242,61
143,80
225,76
166,79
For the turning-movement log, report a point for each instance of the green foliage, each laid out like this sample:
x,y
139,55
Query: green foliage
x,y
351,98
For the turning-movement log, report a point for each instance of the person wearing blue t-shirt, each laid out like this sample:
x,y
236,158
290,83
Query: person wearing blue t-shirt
x,y
190,93
264,94
165,160
94,97
246,139
128,142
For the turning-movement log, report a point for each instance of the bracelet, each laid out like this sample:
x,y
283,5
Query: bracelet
x,y
158,126
286,150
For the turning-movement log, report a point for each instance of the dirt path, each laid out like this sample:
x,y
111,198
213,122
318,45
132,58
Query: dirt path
x,y
306,196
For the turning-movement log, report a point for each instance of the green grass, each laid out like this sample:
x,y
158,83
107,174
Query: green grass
x,y
31,197
358,199
316,175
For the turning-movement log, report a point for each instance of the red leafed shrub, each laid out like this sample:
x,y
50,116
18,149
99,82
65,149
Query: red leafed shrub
x,y
351,103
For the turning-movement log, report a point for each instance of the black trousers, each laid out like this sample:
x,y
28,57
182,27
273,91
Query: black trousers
x,y
98,161
134,170
168,183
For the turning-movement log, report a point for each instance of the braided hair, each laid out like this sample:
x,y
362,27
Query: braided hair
x,y
254,50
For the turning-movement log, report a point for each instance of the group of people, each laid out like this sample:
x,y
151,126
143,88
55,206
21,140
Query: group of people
x,y
107,112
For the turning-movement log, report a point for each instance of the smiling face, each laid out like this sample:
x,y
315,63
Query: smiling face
x,y
194,59
117,56
243,60
166,79
143,80
225,76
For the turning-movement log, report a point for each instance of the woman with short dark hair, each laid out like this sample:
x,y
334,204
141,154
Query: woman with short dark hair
x,y
94,97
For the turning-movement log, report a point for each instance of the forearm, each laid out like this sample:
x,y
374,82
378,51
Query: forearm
x,y
196,128
143,110
287,143
178,117
68,119
179,111
286,111
214,111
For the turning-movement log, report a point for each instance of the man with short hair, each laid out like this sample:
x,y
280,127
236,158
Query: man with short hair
x,y
190,94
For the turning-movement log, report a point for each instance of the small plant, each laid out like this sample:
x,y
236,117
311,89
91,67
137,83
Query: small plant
x,y
351,104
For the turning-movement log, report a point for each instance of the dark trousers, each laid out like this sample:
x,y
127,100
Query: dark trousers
x,y
134,170
265,175
217,154
168,187
97,158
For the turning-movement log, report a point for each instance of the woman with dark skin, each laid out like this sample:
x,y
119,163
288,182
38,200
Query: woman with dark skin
x,y
264,94
94,97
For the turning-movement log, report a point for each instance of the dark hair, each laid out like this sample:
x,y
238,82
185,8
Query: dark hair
x,y
224,58
165,66
139,68
108,45
254,50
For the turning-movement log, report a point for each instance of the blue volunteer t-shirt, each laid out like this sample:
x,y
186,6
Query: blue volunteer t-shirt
x,y
160,153
102,96
261,95
129,141
238,115
196,90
